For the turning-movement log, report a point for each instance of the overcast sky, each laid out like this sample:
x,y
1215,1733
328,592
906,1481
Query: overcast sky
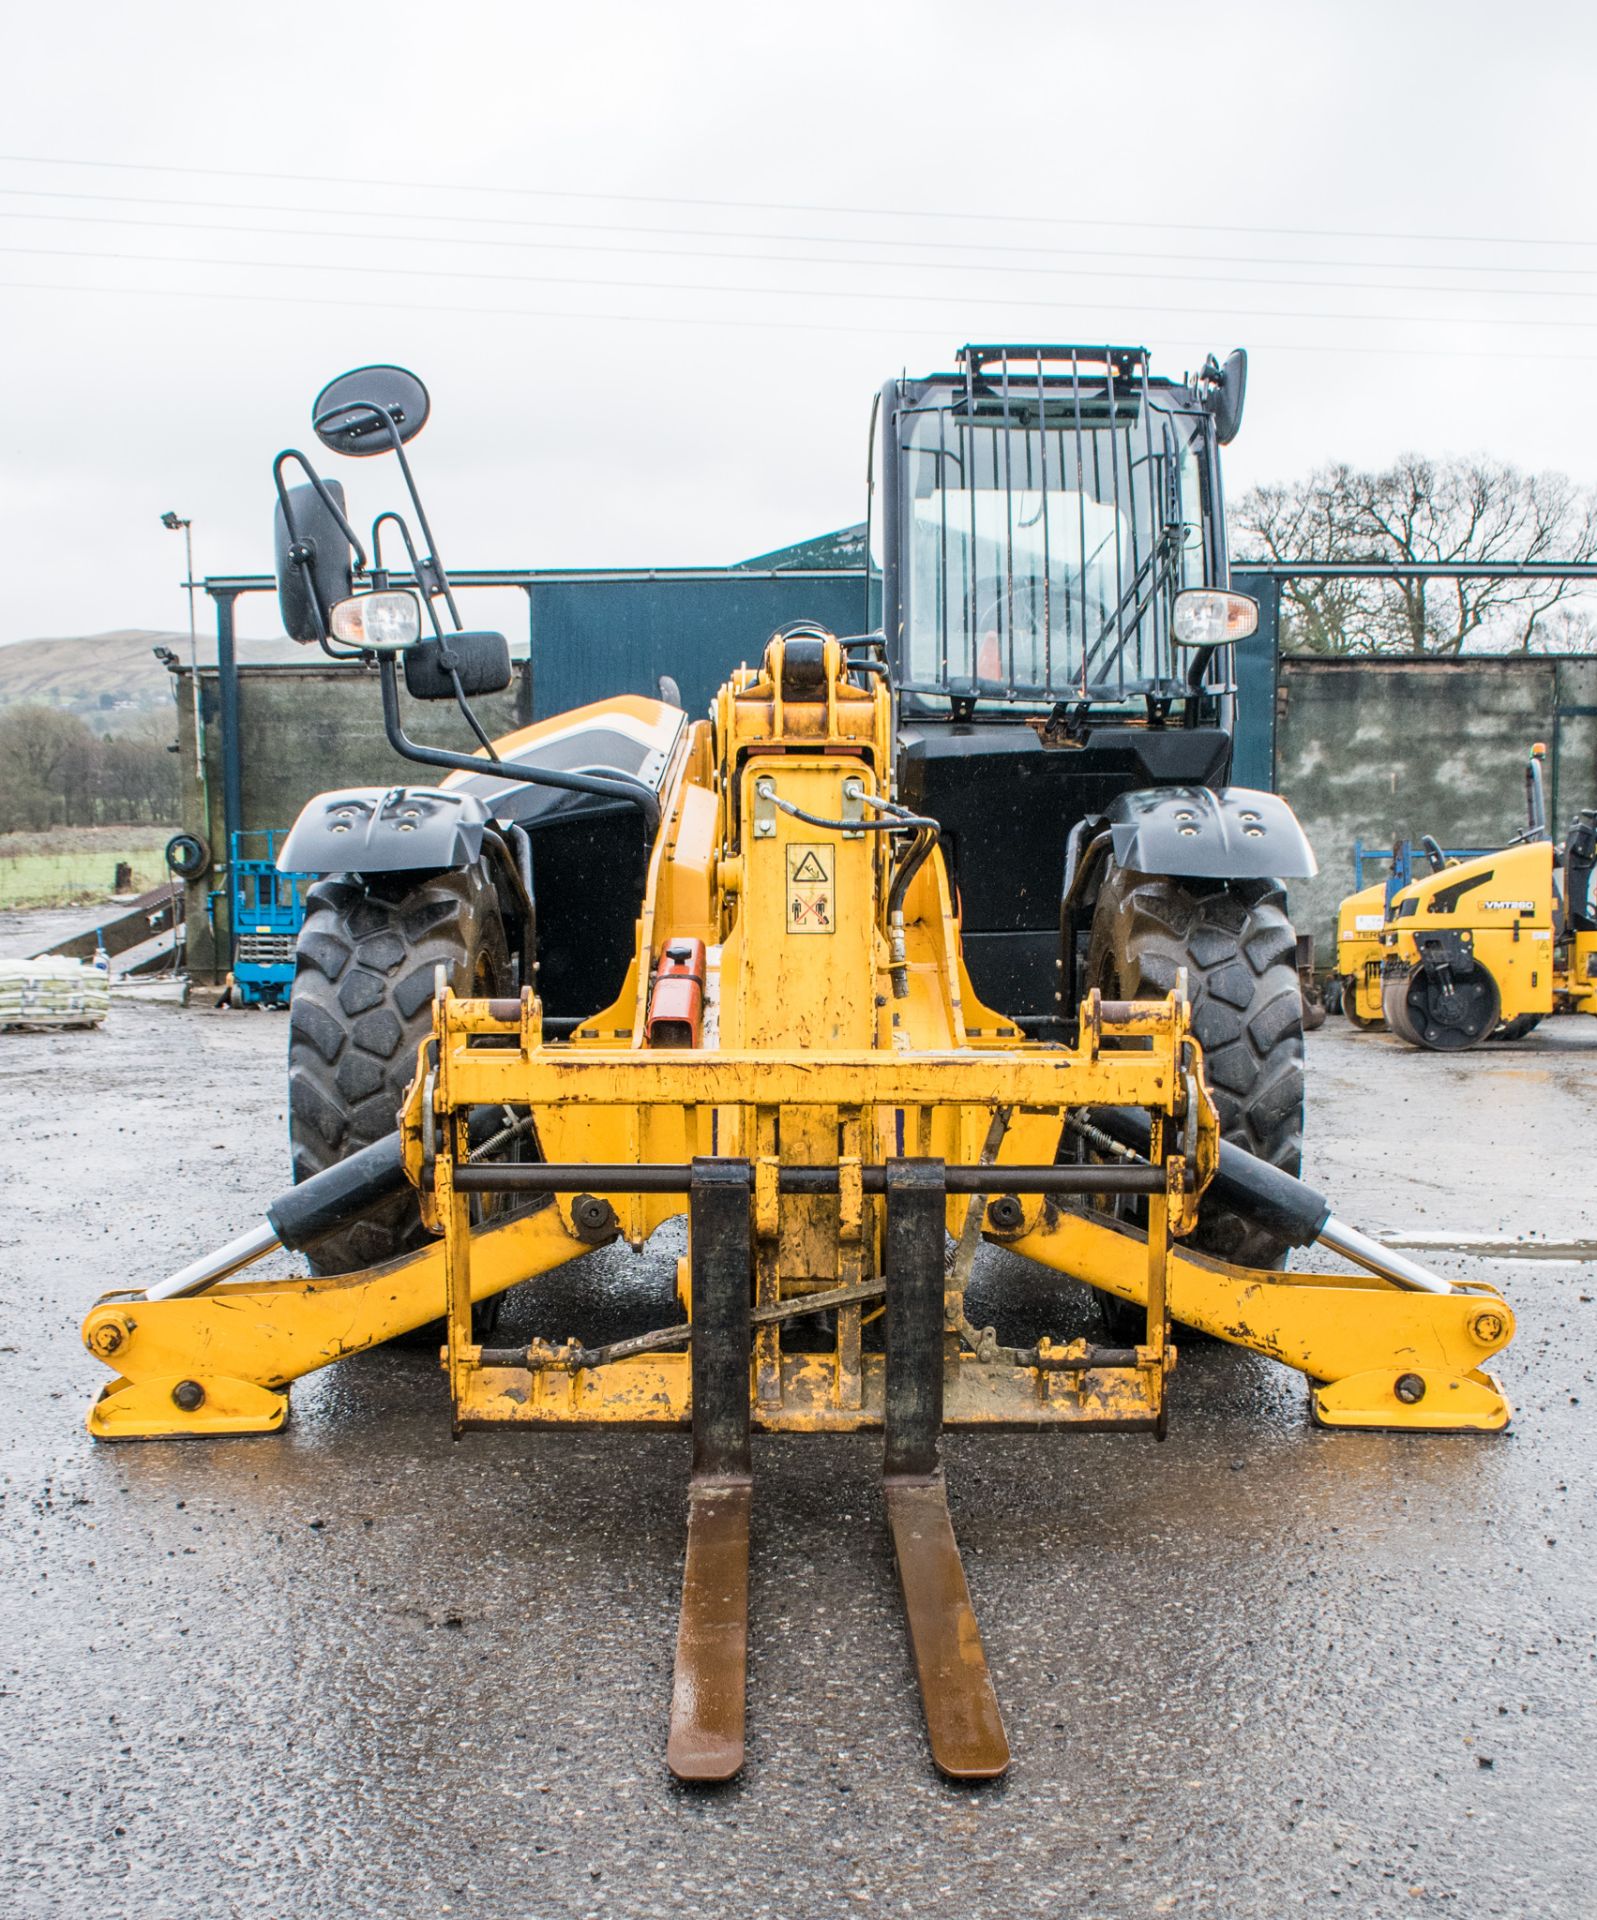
x,y
653,261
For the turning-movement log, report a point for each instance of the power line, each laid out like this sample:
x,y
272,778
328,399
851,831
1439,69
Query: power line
x,y
1331,349
495,313
791,206
784,293
813,259
1029,251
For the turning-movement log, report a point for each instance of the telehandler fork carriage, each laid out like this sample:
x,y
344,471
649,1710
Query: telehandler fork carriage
x,y
797,1059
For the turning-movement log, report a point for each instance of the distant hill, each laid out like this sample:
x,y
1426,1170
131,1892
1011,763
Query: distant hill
x,y
100,675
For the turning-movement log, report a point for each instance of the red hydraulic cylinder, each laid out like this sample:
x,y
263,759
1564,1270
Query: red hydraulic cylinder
x,y
676,1007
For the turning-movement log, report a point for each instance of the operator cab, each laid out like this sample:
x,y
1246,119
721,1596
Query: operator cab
x,y
1052,504
1057,615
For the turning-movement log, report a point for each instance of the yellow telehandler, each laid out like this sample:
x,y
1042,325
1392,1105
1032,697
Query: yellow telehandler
x,y
763,969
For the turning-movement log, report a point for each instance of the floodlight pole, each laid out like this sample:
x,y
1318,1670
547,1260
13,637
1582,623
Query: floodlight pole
x,y
173,523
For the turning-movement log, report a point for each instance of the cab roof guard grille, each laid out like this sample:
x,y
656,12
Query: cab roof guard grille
x,y
1101,363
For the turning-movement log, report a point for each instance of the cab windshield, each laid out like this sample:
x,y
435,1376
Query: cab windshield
x,y
1040,558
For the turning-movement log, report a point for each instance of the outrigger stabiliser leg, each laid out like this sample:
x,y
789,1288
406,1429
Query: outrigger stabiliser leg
x,y
205,1353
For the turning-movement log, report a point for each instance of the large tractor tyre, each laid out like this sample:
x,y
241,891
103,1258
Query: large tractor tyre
x,y
1519,1026
362,1003
1240,955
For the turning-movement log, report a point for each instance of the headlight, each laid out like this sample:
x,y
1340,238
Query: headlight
x,y
384,622
1206,617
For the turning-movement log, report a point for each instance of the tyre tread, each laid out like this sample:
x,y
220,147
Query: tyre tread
x,y
1239,950
357,1015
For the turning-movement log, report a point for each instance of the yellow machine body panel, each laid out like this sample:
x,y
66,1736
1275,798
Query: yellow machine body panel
x,y
646,720
1575,981
1359,954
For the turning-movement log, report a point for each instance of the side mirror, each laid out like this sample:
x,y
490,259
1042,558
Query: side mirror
x,y
309,588
1227,391
481,660
352,413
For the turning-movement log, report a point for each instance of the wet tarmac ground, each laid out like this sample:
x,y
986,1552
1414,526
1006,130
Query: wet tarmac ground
x,y
358,1669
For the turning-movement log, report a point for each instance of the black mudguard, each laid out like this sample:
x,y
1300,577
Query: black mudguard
x,y
1236,833
385,830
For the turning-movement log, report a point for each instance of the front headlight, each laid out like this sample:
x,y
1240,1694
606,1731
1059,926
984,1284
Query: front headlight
x,y
1208,617
382,622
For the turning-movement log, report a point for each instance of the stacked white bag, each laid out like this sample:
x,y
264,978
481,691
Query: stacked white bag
x,y
53,993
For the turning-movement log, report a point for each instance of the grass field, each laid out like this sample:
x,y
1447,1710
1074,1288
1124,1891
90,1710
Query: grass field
x,y
68,864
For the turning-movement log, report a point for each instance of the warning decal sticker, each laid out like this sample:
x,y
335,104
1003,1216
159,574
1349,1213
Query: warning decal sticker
x,y
810,906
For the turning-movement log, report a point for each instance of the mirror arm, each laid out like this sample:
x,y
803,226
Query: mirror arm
x,y
300,553
471,720
322,494
434,562
437,565
604,786
1198,668
415,562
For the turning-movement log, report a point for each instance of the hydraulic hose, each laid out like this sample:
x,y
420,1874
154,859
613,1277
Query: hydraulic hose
x,y
897,946
895,819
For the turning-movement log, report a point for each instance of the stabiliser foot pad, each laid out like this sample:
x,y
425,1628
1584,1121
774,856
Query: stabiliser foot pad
x,y
180,1408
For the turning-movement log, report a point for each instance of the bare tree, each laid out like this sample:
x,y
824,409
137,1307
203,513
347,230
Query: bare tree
x,y
55,772
137,776
43,753
1419,510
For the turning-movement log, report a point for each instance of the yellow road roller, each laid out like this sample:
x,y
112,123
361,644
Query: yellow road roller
x,y
1494,944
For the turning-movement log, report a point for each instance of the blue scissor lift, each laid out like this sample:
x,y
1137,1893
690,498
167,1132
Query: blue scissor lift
x,y
1399,859
267,909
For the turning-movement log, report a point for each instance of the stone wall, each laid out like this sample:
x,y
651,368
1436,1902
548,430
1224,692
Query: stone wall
x,y
1377,750
1367,750
305,729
